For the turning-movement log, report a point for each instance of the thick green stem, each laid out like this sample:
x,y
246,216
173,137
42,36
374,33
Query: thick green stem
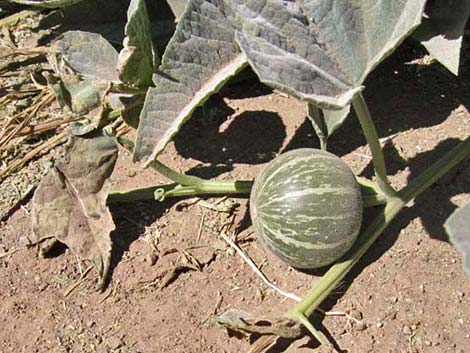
x,y
365,119
436,171
337,272
370,193
175,176
160,192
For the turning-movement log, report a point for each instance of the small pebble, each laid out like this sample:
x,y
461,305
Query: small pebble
x,y
360,326
407,330
379,324
153,258
114,342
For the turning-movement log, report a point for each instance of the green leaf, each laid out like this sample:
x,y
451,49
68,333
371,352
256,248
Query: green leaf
x,y
109,17
87,54
199,59
321,51
136,59
442,30
49,4
458,228
325,122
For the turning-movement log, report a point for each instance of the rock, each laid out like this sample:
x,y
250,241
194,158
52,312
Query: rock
x,y
407,330
114,342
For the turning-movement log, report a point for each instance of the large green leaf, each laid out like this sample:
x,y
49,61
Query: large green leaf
x,y
136,59
322,50
199,59
50,4
458,228
442,30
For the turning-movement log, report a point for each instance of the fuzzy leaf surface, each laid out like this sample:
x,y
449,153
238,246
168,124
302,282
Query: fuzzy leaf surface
x,y
321,51
69,205
87,54
442,31
458,228
136,59
199,59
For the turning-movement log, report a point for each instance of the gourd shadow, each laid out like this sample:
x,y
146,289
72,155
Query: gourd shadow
x,y
253,137
130,225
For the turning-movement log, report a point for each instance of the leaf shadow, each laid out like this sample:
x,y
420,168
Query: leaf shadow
x,y
253,137
131,223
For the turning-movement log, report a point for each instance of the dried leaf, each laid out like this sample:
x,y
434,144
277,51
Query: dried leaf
x,y
80,96
87,54
237,321
70,203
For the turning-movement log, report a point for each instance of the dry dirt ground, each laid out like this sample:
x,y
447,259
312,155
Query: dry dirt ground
x,y
408,293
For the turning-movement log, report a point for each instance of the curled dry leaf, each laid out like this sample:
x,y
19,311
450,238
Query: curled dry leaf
x,y
236,322
69,205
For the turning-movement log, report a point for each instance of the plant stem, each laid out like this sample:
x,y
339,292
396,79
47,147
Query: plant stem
x,y
175,176
436,171
336,273
365,119
371,198
160,192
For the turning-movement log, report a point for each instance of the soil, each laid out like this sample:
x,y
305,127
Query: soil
x,y
408,293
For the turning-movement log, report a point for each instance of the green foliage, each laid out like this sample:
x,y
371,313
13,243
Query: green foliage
x,y
298,48
199,59
137,60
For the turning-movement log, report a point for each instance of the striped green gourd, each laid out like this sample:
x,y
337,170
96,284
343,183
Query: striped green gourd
x,y
306,207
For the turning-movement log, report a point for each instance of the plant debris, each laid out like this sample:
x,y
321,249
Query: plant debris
x,y
69,205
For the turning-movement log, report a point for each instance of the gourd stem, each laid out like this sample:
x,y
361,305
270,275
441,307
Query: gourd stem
x,y
160,192
304,321
371,196
175,176
436,171
337,272
368,127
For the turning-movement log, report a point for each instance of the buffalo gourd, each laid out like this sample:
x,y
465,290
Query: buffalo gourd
x,y
306,207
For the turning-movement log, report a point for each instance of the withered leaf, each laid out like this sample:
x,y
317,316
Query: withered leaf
x,y
236,322
69,205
